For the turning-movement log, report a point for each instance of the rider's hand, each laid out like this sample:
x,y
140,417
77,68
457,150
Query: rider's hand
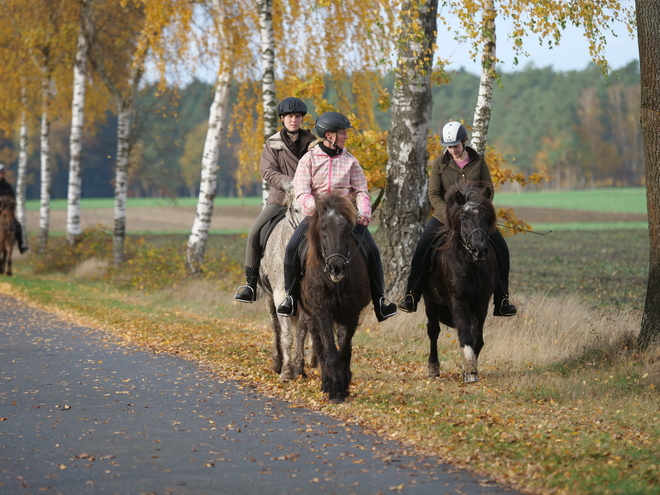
x,y
362,220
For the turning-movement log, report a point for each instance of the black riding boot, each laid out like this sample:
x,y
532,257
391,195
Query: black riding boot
x,y
22,246
248,293
292,286
502,306
413,294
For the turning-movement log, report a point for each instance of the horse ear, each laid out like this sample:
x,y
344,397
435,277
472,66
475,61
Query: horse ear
x,y
488,192
459,197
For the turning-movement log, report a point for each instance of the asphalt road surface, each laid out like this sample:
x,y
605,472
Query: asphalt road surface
x,y
82,414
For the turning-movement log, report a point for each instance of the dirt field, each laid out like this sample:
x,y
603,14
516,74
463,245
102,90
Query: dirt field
x,y
180,218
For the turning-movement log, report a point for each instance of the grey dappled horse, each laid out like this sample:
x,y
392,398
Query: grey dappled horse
x,y
271,279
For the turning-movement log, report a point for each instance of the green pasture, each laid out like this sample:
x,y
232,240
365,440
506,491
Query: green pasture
x,y
102,203
607,200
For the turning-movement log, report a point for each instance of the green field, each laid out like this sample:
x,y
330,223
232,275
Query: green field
x,y
97,203
607,200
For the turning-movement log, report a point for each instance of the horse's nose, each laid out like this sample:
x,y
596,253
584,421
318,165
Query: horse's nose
x,y
336,271
479,254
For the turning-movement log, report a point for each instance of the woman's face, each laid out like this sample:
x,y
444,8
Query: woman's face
x,y
339,137
456,150
292,121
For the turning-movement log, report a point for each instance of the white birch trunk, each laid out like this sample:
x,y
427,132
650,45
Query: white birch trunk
x,y
124,110
406,204
483,109
207,187
22,169
73,229
44,210
268,76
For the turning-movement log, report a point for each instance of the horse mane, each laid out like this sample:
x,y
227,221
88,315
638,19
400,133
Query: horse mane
x,y
343,205
7,203
471,195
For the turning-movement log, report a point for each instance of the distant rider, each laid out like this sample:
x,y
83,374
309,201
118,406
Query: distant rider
x,y
7,190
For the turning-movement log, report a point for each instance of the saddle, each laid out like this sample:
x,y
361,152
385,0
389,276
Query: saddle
x,y
267,229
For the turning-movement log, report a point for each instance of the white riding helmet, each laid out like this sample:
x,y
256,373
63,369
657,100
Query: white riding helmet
x,y
453,133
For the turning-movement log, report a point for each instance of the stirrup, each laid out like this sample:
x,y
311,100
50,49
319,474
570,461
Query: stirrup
x,y
386,308
505,308
245,294
408,304
287,307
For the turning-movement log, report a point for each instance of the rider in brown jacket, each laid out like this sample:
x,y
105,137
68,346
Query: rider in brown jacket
x,y
458,164
279,161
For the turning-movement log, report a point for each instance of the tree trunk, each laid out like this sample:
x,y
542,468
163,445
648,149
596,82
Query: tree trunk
x,y
22,169
44,211
207,187
268,77
406,204
73,229
648,38
484,101
124,110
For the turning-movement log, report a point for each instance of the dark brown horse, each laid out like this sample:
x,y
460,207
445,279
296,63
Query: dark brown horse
x,y
464,275
334,291
7,232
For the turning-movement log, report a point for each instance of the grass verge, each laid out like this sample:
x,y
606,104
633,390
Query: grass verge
x,y
565,404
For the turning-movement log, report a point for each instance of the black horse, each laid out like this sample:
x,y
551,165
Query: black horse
x,y
464,275
334,290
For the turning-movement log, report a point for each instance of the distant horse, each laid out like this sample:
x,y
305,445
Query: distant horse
x,y
7,232
271,279
334,290
464,276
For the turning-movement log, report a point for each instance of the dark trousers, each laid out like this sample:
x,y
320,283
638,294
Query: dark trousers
x,y
293,266
253,248
421,262
18,229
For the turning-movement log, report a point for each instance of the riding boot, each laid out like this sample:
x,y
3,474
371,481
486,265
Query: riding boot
x,y
413,294
292,287
502,305
383,307
22,246
248,293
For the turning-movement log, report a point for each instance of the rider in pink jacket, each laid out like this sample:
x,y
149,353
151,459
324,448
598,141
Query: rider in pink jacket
x,y
328,168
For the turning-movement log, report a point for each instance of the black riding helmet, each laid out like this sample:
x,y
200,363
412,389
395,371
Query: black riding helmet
x,y
291,105
331,122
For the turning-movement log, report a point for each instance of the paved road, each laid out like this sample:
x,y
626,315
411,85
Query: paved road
x,y
80,414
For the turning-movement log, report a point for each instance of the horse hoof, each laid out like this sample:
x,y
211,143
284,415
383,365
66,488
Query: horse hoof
x,y
470,377
336,400
434,370
286,375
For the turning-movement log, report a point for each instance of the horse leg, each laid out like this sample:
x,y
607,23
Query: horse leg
x,y
329,360
470,346
299,356
276,351
286,344
433,331
345,353
9,273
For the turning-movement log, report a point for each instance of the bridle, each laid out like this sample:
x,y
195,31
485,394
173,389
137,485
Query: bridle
x,y
467,244
347,258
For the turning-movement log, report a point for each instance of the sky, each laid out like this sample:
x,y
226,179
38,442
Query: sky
x,y
571,54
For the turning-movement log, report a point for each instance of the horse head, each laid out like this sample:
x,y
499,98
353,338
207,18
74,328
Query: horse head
x,y
470,212
330,234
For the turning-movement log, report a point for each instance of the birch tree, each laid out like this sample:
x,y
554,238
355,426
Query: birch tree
x,y
483,108
73,228
209,175
648,36
406,205
22,167
264,8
